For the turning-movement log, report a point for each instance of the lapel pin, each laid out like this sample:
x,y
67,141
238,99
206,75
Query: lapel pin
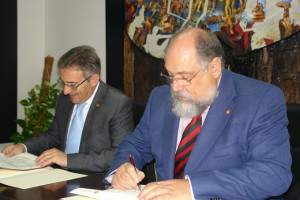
x,y
97,105
227,112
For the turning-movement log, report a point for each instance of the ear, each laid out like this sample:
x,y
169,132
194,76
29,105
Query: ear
x,y
215,67
95,79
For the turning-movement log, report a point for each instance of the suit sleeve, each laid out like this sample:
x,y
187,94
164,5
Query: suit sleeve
x,y
265,169
136,143
47,140
119,125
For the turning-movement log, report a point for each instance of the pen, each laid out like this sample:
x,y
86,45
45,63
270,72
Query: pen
x,y
131,161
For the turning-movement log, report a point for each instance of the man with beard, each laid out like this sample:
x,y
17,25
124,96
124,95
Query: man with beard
x,y
236,144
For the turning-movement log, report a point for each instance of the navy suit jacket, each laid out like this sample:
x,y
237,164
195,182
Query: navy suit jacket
x,y
108,121
242,151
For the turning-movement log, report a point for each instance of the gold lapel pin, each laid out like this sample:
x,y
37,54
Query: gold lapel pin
x,y
97,105
227,112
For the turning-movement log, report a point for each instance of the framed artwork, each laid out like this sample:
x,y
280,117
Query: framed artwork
x,y
250,24
263,38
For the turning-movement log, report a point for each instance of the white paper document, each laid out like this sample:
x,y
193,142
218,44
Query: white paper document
x,y
110,194
21,171
4,173
38,178
77,198
23,161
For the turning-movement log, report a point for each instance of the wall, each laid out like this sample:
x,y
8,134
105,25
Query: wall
x,y
8,57
52,27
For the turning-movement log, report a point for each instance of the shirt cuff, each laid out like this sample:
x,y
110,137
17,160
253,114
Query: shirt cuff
x,y
24,146
192,192
110,177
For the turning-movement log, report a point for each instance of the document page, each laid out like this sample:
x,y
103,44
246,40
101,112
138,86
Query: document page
x,y
110,194
77,198
29,180
4,173
23,161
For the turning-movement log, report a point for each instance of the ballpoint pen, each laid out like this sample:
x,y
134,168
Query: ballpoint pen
x,y
131,161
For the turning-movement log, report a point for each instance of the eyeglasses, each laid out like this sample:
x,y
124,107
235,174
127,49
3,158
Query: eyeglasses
x,y
71,85
180,81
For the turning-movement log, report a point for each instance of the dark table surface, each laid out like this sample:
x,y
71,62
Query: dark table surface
x,y
53,191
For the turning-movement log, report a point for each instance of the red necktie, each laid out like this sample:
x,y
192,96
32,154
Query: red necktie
x,y
186,145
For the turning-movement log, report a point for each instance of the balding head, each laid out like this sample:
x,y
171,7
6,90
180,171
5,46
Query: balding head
x,y
204,43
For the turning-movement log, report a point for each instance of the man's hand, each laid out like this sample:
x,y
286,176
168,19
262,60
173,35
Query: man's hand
x,y
171,189
12,150
126,177
52,156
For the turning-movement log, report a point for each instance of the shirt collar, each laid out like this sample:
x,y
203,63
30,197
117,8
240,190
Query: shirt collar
x,y
89,101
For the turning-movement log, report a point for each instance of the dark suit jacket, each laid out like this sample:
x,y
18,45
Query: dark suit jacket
x,y
242,151
105,127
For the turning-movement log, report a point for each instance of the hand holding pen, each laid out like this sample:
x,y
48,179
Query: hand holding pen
x,y
131,161
127,176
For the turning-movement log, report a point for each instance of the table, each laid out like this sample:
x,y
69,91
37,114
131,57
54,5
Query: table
x,y
55,190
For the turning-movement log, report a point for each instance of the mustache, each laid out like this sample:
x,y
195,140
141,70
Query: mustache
x,y
181,94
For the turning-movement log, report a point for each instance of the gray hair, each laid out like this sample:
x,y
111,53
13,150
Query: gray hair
x,y
206,43
85,57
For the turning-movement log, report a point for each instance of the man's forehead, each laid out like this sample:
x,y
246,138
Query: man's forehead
x,y
180,71
71,69
70,75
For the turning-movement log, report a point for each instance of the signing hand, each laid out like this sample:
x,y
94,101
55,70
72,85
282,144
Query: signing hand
x,y
12,150
126,177
52,156
171,189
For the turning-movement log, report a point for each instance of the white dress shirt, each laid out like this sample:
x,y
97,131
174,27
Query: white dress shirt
x,y
85,109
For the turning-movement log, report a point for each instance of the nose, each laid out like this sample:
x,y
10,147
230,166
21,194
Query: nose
x,y
175,86
67,90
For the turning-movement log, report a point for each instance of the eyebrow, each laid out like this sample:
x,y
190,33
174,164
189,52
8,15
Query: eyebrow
x,y
180,73
69,81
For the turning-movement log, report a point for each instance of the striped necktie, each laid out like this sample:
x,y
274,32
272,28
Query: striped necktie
x,y
186,145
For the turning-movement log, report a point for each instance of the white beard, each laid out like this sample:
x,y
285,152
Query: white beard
x,y
193,107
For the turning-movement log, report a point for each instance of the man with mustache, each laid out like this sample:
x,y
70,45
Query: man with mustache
x,y
236,144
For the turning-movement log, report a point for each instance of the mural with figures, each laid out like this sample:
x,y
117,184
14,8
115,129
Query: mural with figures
x,y
251,24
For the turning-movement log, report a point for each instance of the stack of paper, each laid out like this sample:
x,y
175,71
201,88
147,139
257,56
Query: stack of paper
x,y
23,161
110,194
21,171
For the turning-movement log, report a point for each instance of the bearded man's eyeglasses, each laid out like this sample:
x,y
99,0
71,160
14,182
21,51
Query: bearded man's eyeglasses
x,y
180,81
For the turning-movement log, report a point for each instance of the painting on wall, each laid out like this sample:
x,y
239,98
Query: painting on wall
x,y
250,24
